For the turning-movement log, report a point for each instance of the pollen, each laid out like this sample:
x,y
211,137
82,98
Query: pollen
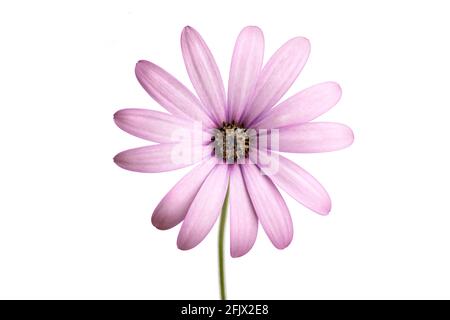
x,y
231,142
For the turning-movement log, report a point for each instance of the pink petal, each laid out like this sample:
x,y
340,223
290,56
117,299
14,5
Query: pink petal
x,y
170,93
277,76
204,73
298,183
269,206
314,137
159,127
205,209
161,157
173,207
302,107
243,221
245,67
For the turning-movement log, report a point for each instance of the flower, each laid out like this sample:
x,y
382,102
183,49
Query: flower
x,y
249,171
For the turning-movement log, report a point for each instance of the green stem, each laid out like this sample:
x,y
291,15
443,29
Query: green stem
x,y
223,219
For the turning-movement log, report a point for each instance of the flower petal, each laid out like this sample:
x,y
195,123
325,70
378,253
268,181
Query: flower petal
x,y
298,183
170,93
277,76
269,206
204,73
243,220
205,209
174,206
159,127
161,157
314,137
302,107
245,67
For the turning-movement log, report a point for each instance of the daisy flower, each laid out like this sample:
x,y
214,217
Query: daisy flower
x,y
235,138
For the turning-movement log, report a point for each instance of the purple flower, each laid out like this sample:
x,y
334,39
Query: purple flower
x,y
224,144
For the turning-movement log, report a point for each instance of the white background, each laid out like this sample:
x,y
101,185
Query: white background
x,y
74,225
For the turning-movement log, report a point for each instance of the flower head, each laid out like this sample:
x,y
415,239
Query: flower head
x,y
236,139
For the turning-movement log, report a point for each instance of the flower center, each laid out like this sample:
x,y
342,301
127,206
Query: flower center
x,y
231,142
